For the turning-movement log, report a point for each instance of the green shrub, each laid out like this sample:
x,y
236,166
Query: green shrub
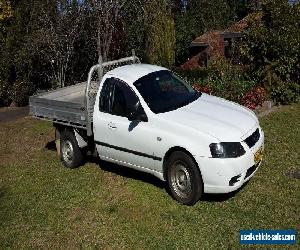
x,y
231,90
271,47
285,92
221,78
227,80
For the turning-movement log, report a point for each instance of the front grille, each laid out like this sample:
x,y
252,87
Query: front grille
x,y
250,171
252,139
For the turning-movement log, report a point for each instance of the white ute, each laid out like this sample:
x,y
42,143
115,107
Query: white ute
x,y
145,117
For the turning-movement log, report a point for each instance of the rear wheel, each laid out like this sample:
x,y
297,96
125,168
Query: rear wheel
x,y
71,154
184,178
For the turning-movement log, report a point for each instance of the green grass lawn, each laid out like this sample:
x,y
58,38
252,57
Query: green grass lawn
x,y
44,205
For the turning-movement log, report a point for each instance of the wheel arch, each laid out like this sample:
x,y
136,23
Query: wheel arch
x,y
169,153
81,138
62,128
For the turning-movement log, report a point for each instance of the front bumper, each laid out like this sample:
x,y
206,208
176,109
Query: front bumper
x,y
228,175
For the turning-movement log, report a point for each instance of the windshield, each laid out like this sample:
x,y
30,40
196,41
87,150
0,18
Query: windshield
x,y
163,91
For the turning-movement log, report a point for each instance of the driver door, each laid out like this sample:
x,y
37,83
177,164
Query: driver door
x,y
129,143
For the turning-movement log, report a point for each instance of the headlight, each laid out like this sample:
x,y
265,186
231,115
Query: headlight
x,y
226,150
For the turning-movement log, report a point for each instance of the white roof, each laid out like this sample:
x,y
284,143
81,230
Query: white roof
x,y
133,72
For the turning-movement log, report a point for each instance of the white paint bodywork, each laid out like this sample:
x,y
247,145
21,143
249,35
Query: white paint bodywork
x,y
193,128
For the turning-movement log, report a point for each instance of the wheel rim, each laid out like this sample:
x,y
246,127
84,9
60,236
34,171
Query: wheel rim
x,y
67,152
181,179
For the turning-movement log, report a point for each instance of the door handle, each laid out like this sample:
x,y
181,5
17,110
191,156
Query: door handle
x,y
111,126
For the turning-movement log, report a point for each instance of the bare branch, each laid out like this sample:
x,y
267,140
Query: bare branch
x,y
55,39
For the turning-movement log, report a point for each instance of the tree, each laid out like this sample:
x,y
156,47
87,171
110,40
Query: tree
x,y
5,9
54,40
160,33
107,23
134,28
16,65
238,9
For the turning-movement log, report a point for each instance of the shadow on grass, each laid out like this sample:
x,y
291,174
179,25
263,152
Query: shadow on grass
x,y
148,178
129,173
51,146
145,177
2,193
4,215
222,197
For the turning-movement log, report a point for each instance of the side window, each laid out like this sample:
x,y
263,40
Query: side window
x,y
123,99
105,96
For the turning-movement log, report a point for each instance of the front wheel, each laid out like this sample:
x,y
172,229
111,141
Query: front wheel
x,y
184,178
71,154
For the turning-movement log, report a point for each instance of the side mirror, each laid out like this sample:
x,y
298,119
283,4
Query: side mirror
x,y
137,113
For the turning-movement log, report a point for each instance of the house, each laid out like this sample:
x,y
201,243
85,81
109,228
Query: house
x,y
216,43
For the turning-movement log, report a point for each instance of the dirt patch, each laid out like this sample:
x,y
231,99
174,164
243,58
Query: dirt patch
x,y
294,174
266,108
13,114
267,112
5,109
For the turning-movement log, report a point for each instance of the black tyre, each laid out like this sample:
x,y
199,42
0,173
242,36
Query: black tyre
x,y
184,178
71,154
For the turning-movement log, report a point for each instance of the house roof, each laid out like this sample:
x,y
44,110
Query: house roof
x,y
203,40
241,25
234,31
